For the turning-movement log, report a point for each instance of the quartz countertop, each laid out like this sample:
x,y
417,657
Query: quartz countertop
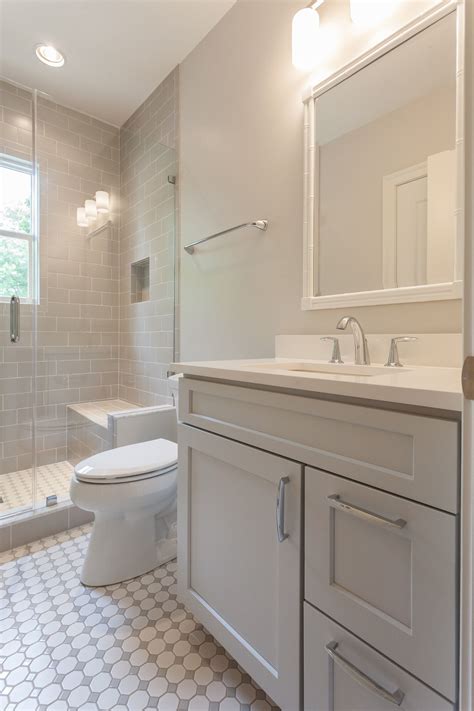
x,y
431,387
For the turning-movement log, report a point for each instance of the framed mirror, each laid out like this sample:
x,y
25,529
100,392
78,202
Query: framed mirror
x,y
384,176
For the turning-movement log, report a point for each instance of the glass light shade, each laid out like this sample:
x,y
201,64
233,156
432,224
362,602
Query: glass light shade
x,y
305,30
370,12
81,217
102,201
91,209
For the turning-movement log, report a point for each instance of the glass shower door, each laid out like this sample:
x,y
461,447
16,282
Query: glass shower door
x,y
18,298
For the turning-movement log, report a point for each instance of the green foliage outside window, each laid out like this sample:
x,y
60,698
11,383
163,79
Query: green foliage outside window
x,y
17,218
14,253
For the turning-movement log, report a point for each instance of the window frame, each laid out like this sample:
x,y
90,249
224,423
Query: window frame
x,y
21,165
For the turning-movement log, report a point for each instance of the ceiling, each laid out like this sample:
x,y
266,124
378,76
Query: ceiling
x,y
117,51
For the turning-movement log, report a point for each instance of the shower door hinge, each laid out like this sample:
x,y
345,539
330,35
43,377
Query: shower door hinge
x,y
172,179
51,500
467,378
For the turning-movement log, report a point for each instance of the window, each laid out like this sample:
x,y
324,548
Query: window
x,y
16,227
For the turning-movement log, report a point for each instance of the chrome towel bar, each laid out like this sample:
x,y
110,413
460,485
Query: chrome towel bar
x,y
259,224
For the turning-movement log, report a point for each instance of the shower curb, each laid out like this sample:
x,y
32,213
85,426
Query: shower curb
x,y
30,527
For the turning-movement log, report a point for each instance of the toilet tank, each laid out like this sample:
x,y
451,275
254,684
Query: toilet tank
x,y
144,424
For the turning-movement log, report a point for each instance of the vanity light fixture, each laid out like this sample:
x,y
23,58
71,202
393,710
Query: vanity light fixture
x,y
370,12
49,55
93,208
305,29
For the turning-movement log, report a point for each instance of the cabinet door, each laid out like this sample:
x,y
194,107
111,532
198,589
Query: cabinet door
x,y
385,568
238,577
341,673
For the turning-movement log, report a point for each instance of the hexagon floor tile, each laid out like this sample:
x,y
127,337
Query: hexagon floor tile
x,y
128,647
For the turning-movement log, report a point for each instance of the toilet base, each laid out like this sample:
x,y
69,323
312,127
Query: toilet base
x,y
124,546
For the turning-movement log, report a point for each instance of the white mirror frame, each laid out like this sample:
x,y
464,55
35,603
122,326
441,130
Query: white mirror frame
x,y
399,295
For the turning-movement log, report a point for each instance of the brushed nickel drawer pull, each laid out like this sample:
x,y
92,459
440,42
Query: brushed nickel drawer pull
x,y
280,510
395,698
338,503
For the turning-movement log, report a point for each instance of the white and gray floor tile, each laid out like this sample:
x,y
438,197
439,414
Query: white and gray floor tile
x,y
16,488
127,647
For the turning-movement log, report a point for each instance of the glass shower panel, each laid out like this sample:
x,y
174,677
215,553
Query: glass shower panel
x,y
78,314
18,298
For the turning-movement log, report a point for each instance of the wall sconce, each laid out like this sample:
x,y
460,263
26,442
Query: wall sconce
x,y
87,215
305,29
370,12
82,220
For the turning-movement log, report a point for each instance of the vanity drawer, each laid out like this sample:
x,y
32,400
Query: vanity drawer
x,y
410,455
385,568
331,685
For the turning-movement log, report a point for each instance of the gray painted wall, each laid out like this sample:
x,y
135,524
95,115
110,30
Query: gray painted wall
x,y
241,157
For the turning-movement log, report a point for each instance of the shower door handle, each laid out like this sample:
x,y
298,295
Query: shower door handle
x,y
14,319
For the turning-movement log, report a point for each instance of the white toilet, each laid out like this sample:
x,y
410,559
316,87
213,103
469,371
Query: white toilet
x,y
132,492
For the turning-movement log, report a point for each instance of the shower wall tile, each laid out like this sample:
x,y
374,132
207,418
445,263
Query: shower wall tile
x,y
78,315
147,229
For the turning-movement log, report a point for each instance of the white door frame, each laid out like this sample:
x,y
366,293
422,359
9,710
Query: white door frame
x,y
390,184
467,490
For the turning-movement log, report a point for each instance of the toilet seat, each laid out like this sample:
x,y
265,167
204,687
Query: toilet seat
x,y
132,462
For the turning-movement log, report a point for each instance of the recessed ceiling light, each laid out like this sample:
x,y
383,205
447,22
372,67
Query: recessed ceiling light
x,y
49,55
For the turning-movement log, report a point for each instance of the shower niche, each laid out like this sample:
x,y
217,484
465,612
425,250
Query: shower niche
x,y
140,281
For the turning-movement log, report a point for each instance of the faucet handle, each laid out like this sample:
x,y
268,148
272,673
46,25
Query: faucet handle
x,y
336,351
393,360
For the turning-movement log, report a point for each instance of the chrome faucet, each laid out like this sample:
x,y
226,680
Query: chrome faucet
x,y
361,347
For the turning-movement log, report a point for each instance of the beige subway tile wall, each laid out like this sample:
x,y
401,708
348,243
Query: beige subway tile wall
x,y
78,314
97,339
147,239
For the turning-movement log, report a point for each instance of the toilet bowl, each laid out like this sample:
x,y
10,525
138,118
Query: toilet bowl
x,y
132,492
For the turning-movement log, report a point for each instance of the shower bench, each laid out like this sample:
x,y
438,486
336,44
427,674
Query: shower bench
x,y
94,427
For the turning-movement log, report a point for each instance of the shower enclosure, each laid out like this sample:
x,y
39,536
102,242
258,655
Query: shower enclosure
x,y
87,315
19,220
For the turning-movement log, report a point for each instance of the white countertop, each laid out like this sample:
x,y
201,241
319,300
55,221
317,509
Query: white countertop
x,y
421,386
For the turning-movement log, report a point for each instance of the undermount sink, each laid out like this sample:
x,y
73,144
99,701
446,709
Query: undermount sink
x,y
328,368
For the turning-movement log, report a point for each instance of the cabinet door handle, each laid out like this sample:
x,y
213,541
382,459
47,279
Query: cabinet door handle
x,y
280,509
395,698
14,319
336,502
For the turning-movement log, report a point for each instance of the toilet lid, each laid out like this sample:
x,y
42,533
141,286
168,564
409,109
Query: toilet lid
x,y
133,460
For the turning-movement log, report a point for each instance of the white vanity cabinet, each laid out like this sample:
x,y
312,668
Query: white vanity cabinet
x,y
371,558
239,563
385,568
342,673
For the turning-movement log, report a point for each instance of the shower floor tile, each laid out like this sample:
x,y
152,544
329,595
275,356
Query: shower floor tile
x,y
127,647
16,491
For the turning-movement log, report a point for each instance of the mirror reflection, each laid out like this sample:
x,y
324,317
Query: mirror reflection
x,y
387,169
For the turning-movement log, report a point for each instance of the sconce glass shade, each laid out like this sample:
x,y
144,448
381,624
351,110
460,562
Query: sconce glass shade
x,y
370,12
91,209
305,30
102,201
82,217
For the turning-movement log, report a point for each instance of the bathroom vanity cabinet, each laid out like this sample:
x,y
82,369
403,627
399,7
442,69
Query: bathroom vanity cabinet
x,y
319,544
